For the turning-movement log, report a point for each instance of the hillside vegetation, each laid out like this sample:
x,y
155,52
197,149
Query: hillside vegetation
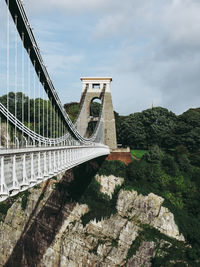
x,y
170,168
159,126
175,177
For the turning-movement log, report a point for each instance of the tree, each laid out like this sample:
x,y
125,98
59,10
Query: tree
x,y
72,110
149,127
187,129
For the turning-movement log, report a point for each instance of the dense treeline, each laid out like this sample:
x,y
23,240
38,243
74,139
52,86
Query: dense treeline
x,y
48,123
159,126
155,126
72,110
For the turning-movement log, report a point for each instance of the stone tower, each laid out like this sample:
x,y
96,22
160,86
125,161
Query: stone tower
x,y
92,89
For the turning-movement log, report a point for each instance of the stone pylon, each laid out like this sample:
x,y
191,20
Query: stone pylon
x,y
92,88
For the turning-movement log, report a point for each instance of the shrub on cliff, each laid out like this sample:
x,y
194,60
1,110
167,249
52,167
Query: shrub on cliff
x,y
113,167
154,155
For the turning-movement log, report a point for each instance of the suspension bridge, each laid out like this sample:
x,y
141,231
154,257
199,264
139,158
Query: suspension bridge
x,y
37,138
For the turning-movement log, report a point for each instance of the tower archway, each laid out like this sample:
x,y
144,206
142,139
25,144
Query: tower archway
x,y
95,90
95,113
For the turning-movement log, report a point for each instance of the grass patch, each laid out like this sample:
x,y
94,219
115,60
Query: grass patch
x,y
138,153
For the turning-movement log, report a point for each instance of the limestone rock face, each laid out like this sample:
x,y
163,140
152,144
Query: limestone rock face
x,y
17,221
143,255
108,183
148,210
50,232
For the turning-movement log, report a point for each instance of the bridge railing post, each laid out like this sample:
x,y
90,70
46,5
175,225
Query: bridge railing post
x,y
15,184
32,174
25,183
39,173
3,188
45,164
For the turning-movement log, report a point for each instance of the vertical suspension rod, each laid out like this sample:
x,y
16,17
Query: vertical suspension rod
x,y
39,104
43,102
29,88
47,116
8,67
22,86
51,119
34,95
16,79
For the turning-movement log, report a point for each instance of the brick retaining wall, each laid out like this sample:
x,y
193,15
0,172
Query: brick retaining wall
x,y
122,156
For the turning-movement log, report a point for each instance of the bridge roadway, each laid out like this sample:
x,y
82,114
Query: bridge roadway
x,y
21,169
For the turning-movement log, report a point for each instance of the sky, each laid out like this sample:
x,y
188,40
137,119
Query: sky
x,y
149,47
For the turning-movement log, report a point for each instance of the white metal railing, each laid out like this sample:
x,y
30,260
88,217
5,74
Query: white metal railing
x,y
23,168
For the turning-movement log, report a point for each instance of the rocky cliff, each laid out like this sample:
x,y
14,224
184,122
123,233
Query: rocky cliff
x,y
48,230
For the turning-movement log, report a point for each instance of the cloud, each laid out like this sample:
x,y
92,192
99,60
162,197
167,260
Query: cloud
x,y
61,64
79,6
150,47
167,62
182,21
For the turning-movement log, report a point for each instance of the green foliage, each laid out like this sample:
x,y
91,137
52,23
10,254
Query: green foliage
x,y
195,158
100,205
169,165
174,178
72,110
91,127
151,126
135,246
118,121
159,126
85,189
114,167
154,155
40,105
138,153
4,206
187,129
95,108
24,197
168,251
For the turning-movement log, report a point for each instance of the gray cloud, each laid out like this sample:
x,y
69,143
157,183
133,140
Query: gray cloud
x,y
155,53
